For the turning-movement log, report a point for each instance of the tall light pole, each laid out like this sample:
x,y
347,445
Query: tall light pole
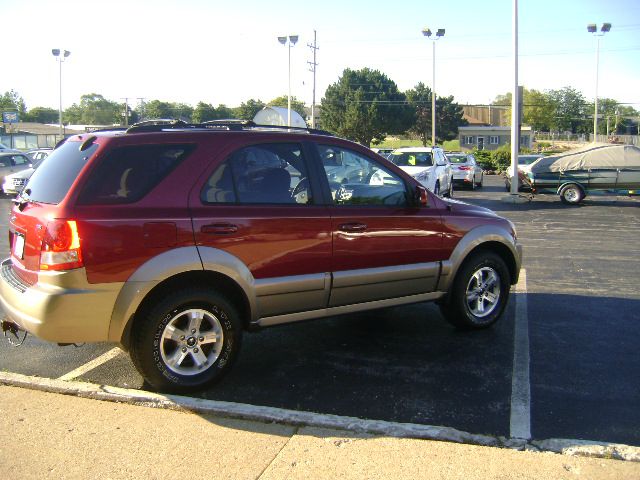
x,y
292,41
60,55
439,33
593,28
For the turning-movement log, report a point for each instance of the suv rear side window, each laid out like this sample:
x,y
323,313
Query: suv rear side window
x,y
127,174
55,175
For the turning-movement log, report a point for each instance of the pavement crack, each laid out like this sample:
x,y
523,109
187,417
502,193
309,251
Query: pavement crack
x,y
286,444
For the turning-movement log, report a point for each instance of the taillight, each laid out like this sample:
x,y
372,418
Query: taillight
x,y
61,246
464,168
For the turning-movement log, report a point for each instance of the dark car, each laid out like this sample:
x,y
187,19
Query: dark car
x,y
173,240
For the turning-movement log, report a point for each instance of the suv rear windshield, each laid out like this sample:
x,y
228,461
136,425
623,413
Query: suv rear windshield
x,y
412,159
54,176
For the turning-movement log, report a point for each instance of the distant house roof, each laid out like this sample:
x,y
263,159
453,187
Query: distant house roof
x,y
482,128
473,121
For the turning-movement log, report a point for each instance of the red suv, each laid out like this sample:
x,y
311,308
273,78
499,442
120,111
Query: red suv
x,y
172,240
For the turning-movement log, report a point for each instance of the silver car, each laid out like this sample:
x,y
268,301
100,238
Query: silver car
x,y
12,163
466,170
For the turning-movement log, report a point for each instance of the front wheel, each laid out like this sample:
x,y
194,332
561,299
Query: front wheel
x,y
436,189
479,293
187,341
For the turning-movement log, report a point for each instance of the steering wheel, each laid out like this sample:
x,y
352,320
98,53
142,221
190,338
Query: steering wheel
x,y
300,192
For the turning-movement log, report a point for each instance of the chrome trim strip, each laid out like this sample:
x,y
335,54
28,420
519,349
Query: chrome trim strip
x,y
346,309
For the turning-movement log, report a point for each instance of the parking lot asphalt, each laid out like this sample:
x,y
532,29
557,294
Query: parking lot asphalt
x,y
406,364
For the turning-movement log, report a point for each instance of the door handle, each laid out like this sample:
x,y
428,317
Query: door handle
x,y
352,227
219,228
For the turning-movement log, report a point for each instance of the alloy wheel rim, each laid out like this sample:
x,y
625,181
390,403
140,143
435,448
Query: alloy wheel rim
x,y
191,341
483,292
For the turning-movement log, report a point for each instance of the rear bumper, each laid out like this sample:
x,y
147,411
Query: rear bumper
x,y
462,177
61,307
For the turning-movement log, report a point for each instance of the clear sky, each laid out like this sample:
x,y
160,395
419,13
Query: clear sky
x,y
223,51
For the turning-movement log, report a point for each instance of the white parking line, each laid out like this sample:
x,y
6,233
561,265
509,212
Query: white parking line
x,y
520,422
96,362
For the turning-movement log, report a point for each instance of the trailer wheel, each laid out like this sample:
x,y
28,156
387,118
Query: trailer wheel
x,y
571,194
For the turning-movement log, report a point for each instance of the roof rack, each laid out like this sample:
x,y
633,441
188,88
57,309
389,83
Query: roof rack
x,y
160,125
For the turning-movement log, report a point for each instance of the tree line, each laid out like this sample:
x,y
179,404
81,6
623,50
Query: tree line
x,y
567,110
362,105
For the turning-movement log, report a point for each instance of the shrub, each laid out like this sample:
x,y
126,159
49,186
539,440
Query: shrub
x,y
483,157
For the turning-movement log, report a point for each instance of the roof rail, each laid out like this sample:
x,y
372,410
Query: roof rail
x,y
233,124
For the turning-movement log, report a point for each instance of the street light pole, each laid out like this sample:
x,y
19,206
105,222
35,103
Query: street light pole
x,y
593,28
60,55
439,33
292,41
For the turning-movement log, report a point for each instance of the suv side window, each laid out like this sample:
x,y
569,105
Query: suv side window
x,y
357,180
127,174
260,174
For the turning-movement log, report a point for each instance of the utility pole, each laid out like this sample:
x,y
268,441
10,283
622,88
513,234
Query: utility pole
x,y
312,68
142,113
126,111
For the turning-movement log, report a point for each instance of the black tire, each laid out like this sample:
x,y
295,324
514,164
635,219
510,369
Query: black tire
x,y
571,194
493,292
479,185
436,188
202,316
472,187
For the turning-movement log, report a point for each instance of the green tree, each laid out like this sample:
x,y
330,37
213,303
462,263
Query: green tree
x,y
365,106
12,101
205,112
539,110
156,109
247,110
43,115
93,109
296,105
570,110
449,115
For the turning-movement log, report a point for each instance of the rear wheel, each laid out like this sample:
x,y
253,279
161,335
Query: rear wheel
x,y
479,293
571,194
479,185
187,341
436,189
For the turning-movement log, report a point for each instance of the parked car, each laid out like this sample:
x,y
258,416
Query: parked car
x,y
595,167
524,163
15,182
39,153
466,171
11,162
383,152
173,240
427,165
5,149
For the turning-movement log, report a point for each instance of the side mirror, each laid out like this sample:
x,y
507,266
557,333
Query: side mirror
x,y
421,196
441,163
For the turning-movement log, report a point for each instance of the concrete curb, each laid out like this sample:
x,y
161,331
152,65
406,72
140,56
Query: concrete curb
x,y
298,418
